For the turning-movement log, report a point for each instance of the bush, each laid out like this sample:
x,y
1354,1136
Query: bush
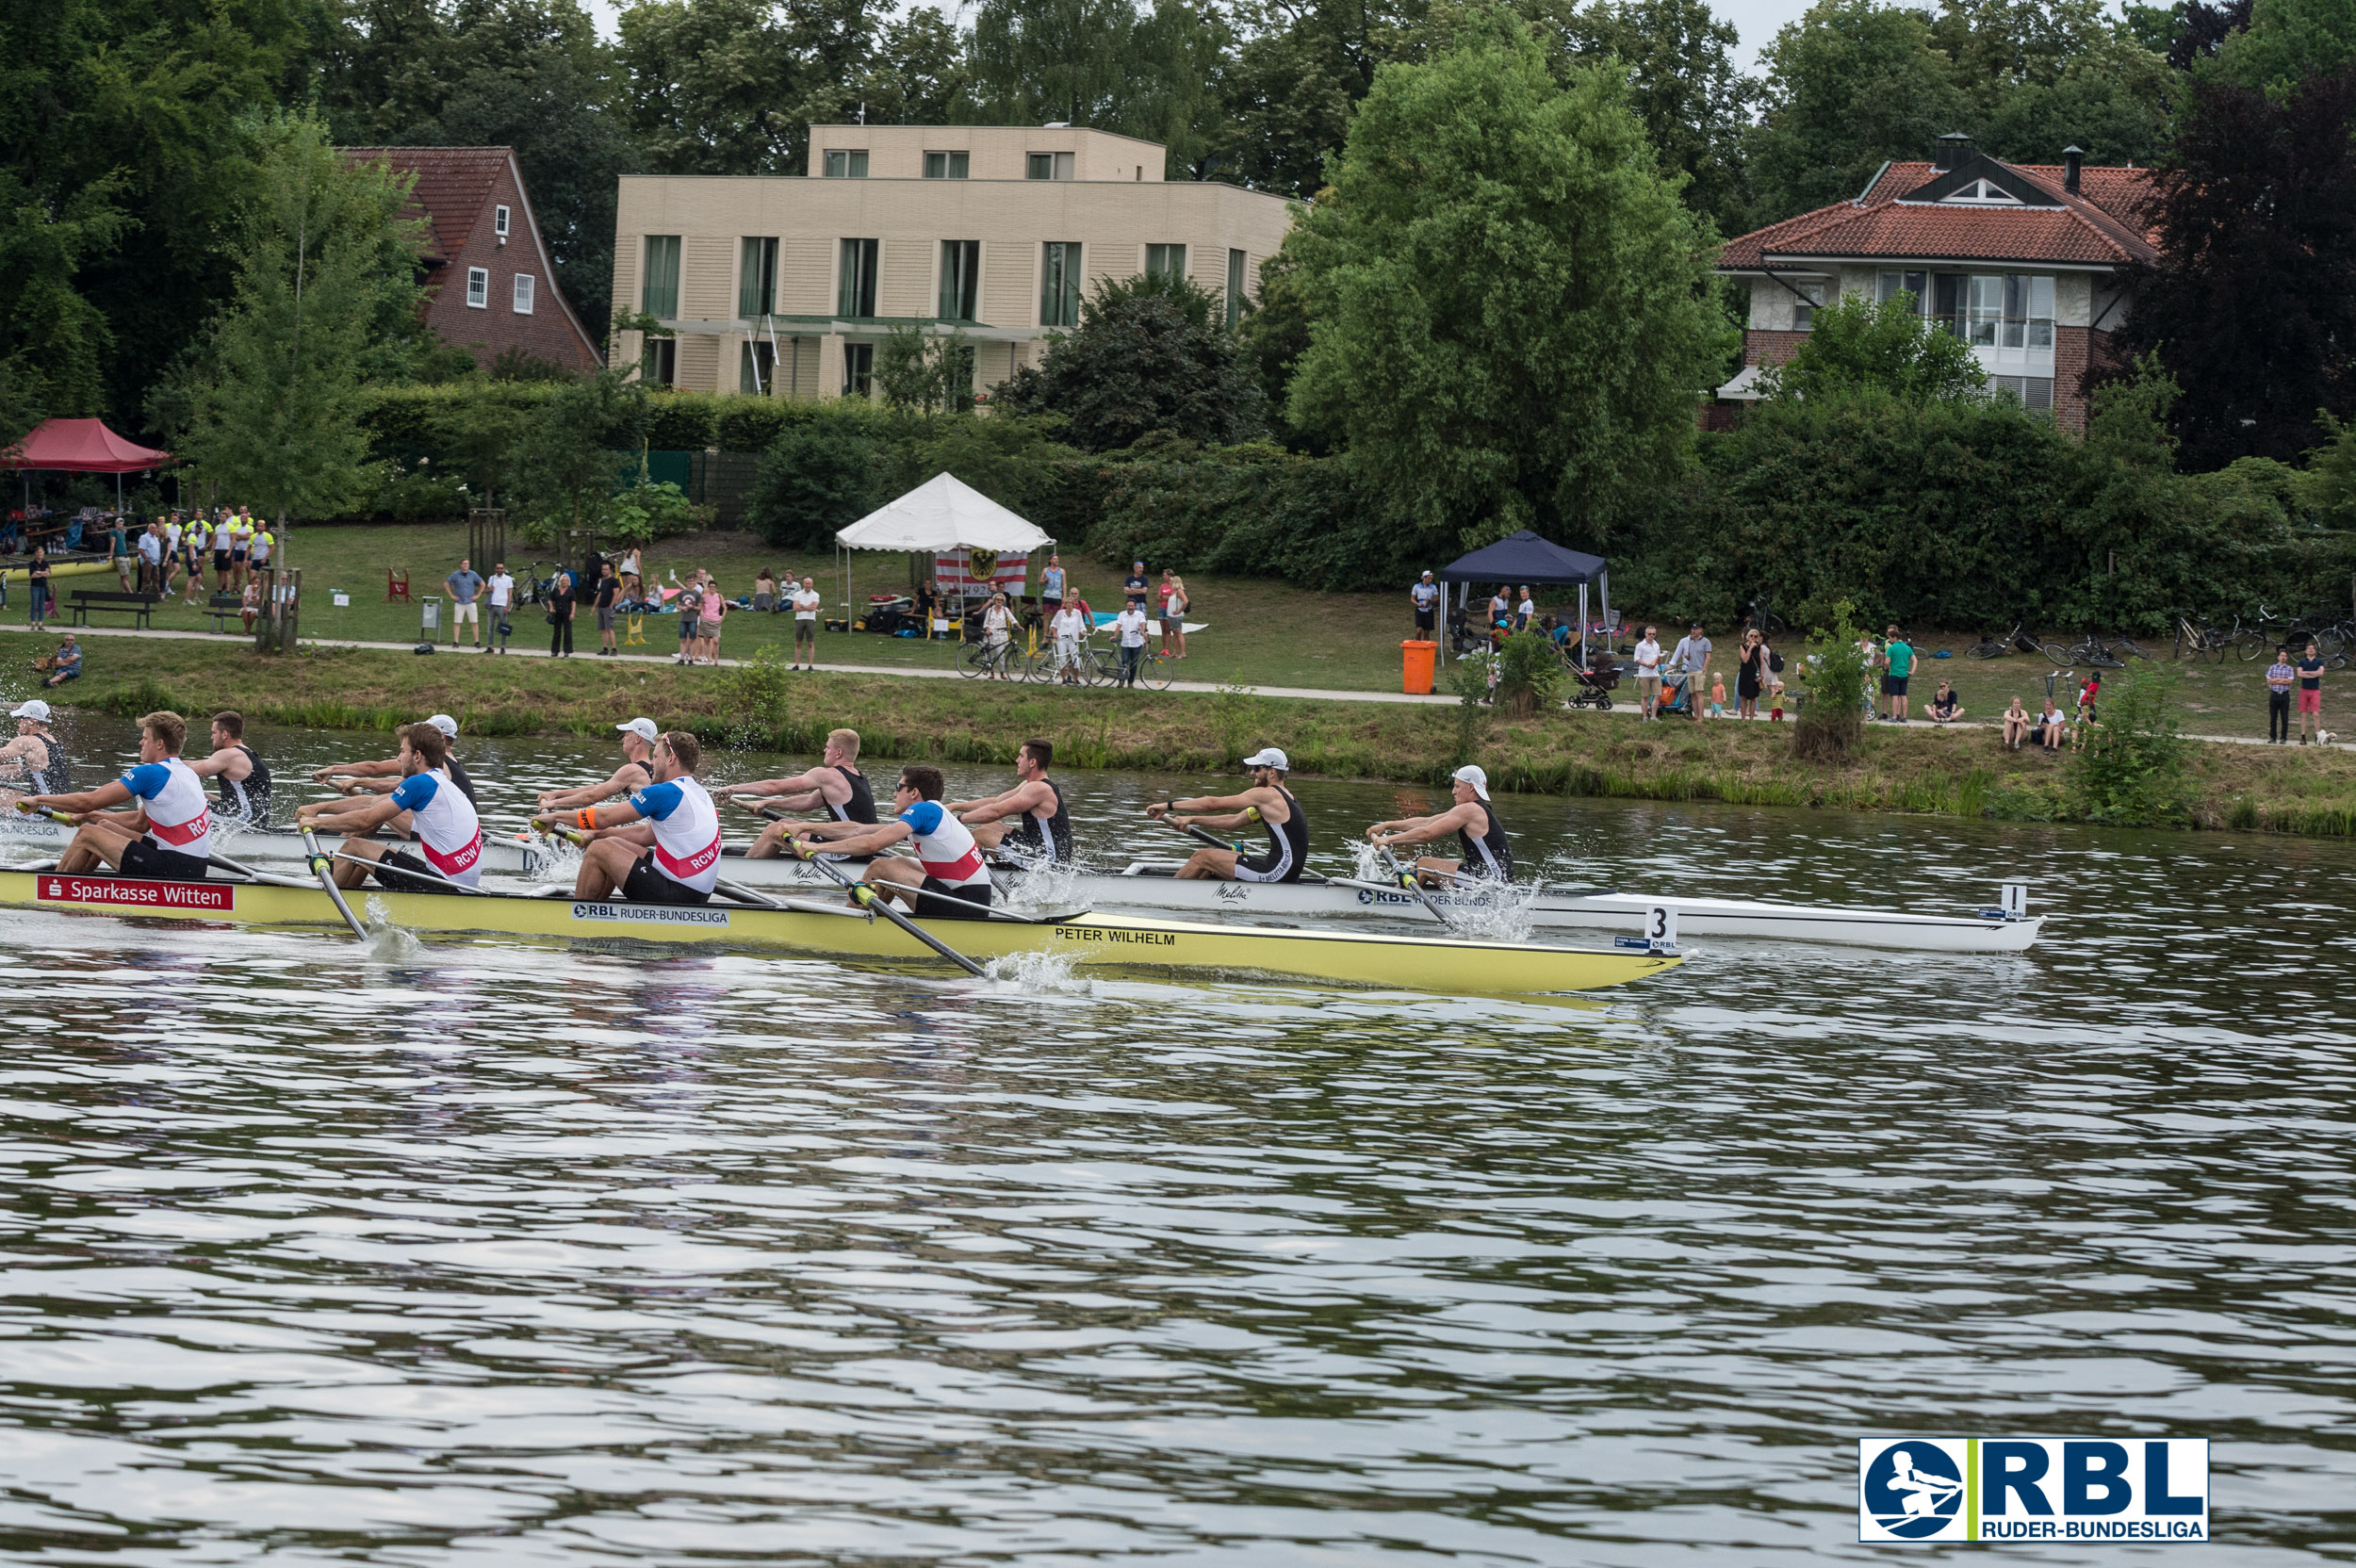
x,y
682,421
815,479
643,513
2131,769
1835,675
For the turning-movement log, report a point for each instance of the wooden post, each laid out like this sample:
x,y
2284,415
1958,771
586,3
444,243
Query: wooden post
x,y
486,537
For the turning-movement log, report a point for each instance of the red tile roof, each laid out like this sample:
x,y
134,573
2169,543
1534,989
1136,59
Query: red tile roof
x,y
454,189
2101,225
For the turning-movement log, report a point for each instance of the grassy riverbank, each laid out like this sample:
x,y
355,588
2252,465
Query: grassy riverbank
x,y
1960,774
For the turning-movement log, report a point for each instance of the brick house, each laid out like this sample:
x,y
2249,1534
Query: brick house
x,y
490,284
2024,262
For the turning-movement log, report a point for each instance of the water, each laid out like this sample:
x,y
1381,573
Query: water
x,y
495,1253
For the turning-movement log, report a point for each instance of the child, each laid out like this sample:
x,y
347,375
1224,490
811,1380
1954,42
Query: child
x,y
2088,695
1718,697
250,601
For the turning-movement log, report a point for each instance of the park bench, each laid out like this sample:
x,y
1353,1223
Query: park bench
x,y
83,600
221,605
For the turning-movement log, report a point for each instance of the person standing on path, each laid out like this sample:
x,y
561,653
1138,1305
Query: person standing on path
x,y
807,603
715,611
1071,629
561,607
2280,676
150,558
2310,695
1425,598
1751,675
1130,625
465,587
691,607
1051,582
1133,587
502,589
997,636
1897,664
1691,663
37,587
609,590
1173,592
1647,657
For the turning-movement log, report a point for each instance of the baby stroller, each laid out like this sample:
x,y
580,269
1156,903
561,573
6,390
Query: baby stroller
x,y
1593,687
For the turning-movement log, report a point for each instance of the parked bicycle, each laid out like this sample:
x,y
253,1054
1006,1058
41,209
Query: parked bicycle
x,y
2020,637
976,660
2094,652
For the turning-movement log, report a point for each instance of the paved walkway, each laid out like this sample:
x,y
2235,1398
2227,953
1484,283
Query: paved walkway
x,y
1312,693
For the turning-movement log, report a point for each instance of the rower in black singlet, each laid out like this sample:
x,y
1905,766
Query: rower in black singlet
x,y
1055,845
246,799
861,806
1490,855
1287,854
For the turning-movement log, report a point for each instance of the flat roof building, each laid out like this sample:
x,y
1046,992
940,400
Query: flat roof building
x,y
784,285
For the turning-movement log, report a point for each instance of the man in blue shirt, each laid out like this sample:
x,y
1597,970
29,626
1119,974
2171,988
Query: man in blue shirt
x,y
1134,586
466,586
63,665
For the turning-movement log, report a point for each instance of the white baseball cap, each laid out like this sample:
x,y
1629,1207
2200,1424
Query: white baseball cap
x,y
1269,757
444,723
642,728
35,709
1474,776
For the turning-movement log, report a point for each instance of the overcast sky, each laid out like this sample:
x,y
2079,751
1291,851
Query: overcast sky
x,y
1756,20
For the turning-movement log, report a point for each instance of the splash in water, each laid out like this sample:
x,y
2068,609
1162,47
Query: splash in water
x,y
1478,910
1034,974
386,941
1043,884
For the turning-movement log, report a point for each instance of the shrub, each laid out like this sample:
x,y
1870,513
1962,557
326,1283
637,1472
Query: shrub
x,y
2131,769
815,479
1835,675
643,513
682,421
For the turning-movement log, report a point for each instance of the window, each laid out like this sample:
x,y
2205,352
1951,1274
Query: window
x,y
660,295
757,368
2033,391
1235,263
846,164
498,221
1165,261
659,365
857,294
947,166
2028,321
1804,308
1048,166
1914,283
523,293
960,276
1985,299
858,369
757,280
478,288
1059,284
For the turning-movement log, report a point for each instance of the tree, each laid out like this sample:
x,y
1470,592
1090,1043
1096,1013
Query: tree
x,y
2252,305
1859,346
55,343
923,374
1683,83
1274,336
1151,354
1510,310
1099,63
817,479
1850,84
732,86
567,465
1285,92
324,260
918,73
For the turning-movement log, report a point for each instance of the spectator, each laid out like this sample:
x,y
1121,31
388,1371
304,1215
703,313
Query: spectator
x,y
562,604
194,545
715,611
1174,602
2310,695
1945,707
259,547
2017,726
765,593
224,533
1525,611
633,585
691,606
465,587
1718,697
151,546
37,586
172,553
1500,611
63,665
1071,629
2089,696
609,593
927,604
1774,662
998,632
502,589
1133,587
1872,653
2050,725
1690,662
1131,624
118,545
806,605
1647,657
250,602
1897,664
1750,676
1050,585
1425,598
2280,676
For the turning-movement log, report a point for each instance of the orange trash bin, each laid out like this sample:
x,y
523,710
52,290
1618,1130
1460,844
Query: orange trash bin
x,y
1416,666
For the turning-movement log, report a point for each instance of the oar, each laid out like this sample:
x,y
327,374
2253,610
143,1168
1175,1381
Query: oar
x,y
1407,880
1191,831
320,867
868,899
412,870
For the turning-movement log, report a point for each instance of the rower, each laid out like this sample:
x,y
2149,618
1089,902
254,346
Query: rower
x,y
636,772
237,772
36,756
1486,855
1268,803
1030,817
833,784
442,820
167,835
382,776
948,862
660,846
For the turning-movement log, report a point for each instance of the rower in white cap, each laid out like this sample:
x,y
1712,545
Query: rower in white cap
x,y
1479,835
636,772
35,762
1267,803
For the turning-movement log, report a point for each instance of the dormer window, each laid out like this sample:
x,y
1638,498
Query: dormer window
x,y
1981,193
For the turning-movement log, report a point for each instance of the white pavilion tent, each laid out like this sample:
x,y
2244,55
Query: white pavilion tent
x,y
943,514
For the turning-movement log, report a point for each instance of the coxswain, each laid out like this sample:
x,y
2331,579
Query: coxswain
x,y
660,846
442,822
1028,820
238,772
834,786
948,862
35,762
1267,803
167,834
636,772
384,775
1485,855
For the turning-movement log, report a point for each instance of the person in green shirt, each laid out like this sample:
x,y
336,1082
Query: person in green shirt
x,y
1897,663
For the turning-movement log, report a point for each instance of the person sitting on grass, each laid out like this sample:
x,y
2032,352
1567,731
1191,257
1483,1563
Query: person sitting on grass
x,y
63,665
1945,707
2017,726
2051,724
250,602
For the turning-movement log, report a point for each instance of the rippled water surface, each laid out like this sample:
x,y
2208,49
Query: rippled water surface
x,y
500,1253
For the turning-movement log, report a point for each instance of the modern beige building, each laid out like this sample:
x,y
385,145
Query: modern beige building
x,y
784,285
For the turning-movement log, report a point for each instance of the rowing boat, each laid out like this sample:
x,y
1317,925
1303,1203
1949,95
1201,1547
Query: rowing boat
x,y
1149,884
1352,958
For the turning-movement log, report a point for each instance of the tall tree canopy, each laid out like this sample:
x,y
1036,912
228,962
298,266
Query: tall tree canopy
x,y
1510,309
1102,63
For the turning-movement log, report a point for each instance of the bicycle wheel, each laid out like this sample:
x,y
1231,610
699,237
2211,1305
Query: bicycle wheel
x,y
2058,652
1985,648
2101,658
1040,667
972,660
1157,672
2127,647
1097,666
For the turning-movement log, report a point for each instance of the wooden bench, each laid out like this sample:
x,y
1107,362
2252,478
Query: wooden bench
x,y
83,600
221,605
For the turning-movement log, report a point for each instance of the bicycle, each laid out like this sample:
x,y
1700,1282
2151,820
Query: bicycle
x,y
2196,638
1762,614
1997,647
976,660
1047,666
2089,651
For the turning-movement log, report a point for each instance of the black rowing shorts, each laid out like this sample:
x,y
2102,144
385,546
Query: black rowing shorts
x,y
646,885
145,857
974,893
398,870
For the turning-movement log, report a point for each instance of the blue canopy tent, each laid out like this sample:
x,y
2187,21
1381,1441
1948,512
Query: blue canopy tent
x,y
1524,557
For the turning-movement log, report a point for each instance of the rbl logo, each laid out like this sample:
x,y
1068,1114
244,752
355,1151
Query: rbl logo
x,y
2033,1489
